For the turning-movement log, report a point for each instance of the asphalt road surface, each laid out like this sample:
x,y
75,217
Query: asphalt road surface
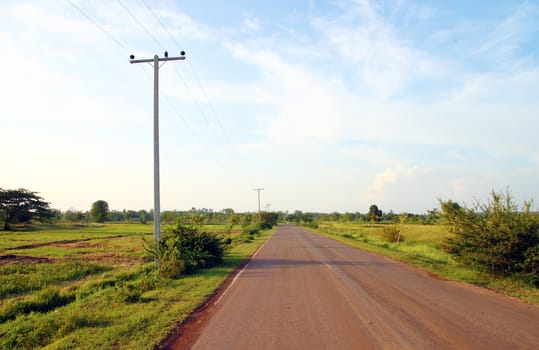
x,y
304,291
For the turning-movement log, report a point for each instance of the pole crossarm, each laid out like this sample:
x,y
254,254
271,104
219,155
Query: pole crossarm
x,y
161,59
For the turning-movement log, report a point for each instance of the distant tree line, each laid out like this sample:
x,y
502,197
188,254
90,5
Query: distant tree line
x,y
23,206
373,215
206,216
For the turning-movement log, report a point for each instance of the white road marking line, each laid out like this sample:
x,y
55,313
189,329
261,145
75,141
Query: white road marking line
x,y
239,273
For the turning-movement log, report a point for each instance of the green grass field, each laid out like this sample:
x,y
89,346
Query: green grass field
x,y
422,247
92,287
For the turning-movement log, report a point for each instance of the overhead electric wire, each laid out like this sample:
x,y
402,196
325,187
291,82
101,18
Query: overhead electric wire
x,y
98,26
192,69
215,134
120,44
141,25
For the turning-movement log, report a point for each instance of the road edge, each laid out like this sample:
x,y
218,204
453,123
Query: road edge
x,y
184,335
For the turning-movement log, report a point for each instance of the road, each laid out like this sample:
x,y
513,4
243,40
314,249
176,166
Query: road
x,y
305,291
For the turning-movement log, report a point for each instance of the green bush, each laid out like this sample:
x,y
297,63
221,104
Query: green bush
x,y
392,233
252,229
495,237
184,249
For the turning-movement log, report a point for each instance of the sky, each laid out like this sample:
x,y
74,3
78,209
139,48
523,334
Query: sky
x,y
326,105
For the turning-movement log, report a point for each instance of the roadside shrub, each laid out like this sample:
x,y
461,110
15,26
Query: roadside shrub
x,y
392,233
252,229
264,225
495,237
184,249
268,220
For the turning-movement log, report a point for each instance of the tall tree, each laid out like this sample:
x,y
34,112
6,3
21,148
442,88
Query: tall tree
x,y
99,211
374,213
22,204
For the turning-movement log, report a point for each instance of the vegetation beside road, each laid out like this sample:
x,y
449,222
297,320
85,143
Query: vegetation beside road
x,y
423,247
92,286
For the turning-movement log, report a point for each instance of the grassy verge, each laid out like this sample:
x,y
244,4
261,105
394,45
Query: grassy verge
x,y
421,247
98,293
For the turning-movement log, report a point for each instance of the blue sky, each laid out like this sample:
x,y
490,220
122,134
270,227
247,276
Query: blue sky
x,y
327,105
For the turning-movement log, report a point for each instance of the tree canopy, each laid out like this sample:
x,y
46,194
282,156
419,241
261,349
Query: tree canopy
x,y
374,213
22,205
99,211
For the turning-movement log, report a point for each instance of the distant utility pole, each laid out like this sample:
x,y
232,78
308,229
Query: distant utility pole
x,y
156,210
258,190
268,205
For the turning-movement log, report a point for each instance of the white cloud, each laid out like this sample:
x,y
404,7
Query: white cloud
x,y
181,25
388,176
303,107
384,62
397,186
251,24
391,175
508,35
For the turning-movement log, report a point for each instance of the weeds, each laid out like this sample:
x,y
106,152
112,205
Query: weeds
x,y
44,301
392,234
20,278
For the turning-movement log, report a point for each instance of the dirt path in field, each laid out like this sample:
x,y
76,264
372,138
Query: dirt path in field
x,y
305,291
11,258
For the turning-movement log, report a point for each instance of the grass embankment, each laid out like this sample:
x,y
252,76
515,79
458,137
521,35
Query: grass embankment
x,y
91,287
422,247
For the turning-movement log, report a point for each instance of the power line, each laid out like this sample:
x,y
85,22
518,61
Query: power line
x,y
199,107
141,25
218,138
124,47
98,26
193,71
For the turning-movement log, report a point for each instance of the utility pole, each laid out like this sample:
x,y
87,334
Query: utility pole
x,y
268,205
156,194
258,190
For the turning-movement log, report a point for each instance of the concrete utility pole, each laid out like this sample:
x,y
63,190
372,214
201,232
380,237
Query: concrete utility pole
x,y
268,205
156,195
258,190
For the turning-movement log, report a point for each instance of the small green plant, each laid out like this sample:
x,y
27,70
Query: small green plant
x,y
128,292
392,234
149,281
